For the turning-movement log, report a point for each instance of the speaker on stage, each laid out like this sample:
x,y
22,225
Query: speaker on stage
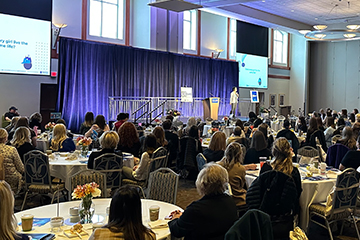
x,y
211,108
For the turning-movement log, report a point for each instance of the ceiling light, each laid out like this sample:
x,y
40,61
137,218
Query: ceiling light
x,y
60,25
175,5
349,35
353,27
320,36
303,32
320,27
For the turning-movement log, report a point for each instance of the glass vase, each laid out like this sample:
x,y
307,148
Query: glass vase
x,y
86,210
84,151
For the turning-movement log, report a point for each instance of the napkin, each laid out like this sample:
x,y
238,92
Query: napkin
x,y
158,224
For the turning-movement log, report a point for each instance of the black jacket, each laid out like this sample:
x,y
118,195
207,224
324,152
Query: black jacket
x,y
213,156
206,219
173,145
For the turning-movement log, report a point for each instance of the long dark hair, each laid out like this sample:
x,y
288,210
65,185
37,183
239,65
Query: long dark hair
x,y
125,214
313,126
89,119
150,144
100,121
258,141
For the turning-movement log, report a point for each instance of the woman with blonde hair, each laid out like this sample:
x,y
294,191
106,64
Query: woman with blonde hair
x,y
13,166
8,223
60,142
217,145
21,141
212,215
108,142
236,171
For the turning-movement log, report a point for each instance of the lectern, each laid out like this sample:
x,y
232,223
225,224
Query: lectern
x,y
211,107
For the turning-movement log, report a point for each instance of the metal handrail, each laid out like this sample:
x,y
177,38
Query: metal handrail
x,y
146,104
156,108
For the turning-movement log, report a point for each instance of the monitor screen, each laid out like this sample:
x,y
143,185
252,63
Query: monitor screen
x,y
252,39
253,71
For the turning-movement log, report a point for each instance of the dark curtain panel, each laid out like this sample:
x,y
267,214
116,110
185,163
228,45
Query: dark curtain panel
x,y
90,72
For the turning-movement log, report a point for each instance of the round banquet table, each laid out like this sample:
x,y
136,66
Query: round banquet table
x,y
64,169
101,204
320,189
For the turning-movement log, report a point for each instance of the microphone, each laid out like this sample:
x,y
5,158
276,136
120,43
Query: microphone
x,y
211,94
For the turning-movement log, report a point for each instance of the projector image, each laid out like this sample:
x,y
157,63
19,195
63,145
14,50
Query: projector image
x,y
175,5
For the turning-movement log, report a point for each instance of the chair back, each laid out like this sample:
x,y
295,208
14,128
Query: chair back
x,y
2,169
163,184
201,161
36,166
335,154
111,164
335,138
88,176
158,159
346,191
4,122
308,151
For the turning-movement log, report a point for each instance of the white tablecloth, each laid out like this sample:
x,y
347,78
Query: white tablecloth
x,y
49,211
322,188
42,144
228,130
64,169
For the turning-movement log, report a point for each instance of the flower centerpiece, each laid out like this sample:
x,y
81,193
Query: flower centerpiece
x,y
157,121
50,126
84,142
212,130
226,120
173,112
86,193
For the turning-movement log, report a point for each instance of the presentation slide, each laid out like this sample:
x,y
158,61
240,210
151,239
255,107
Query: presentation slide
x,y
25,45
253,71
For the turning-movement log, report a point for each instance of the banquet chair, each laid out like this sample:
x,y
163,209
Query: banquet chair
x,y
2,169
158,160
308,151
163,185
88,176
111,164
343,202
335,138
335,154
37,176
4,122
201,161
253,225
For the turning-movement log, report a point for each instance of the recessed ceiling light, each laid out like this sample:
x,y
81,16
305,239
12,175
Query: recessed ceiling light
x,y
263,0
316,18
292,10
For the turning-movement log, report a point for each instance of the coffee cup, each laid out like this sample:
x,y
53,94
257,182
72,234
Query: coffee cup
x,y
27,222
56,223
154,212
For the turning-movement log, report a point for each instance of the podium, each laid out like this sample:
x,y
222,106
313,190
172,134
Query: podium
x,y
211,107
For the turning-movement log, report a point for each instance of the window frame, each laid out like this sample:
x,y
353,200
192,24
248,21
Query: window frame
x,y
193,31
124,23
232,44
274,64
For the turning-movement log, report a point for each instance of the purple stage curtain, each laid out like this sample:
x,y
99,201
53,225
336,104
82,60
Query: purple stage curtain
x,y
90,72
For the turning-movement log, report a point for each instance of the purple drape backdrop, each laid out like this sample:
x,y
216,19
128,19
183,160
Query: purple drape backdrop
x,y
90,72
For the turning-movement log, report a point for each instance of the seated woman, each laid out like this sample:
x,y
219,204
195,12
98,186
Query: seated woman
x,y
86,125
14,168
240,124
125,218
313,133
268,137
8,223
108,142
301,125
21,141
217,145
139,172
329,132
236,171
212,215
351,158
339,126
348,139
23,122
282,162
320,124
12,124
191,122
35,122
129,139
160,137
96,130
59,141
258,148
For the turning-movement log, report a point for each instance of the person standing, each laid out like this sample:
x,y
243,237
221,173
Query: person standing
x,y
234,96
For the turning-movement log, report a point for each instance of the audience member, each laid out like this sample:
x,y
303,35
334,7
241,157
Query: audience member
x,y
356,129
320,124
61,121
159,133
8,224
348,139
14,168
139,172
23,122
59,141
335,114
21,141
125,218
96,130
108,142
237,134
173,141
212,215
322,115
129,139
86,125
329,132
314,133
351,158
355,111
263,127
258,148
302,125
12,124
289,135
12,113
217,145
35,122
352,118
231,162
339,126
191,122
121,118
